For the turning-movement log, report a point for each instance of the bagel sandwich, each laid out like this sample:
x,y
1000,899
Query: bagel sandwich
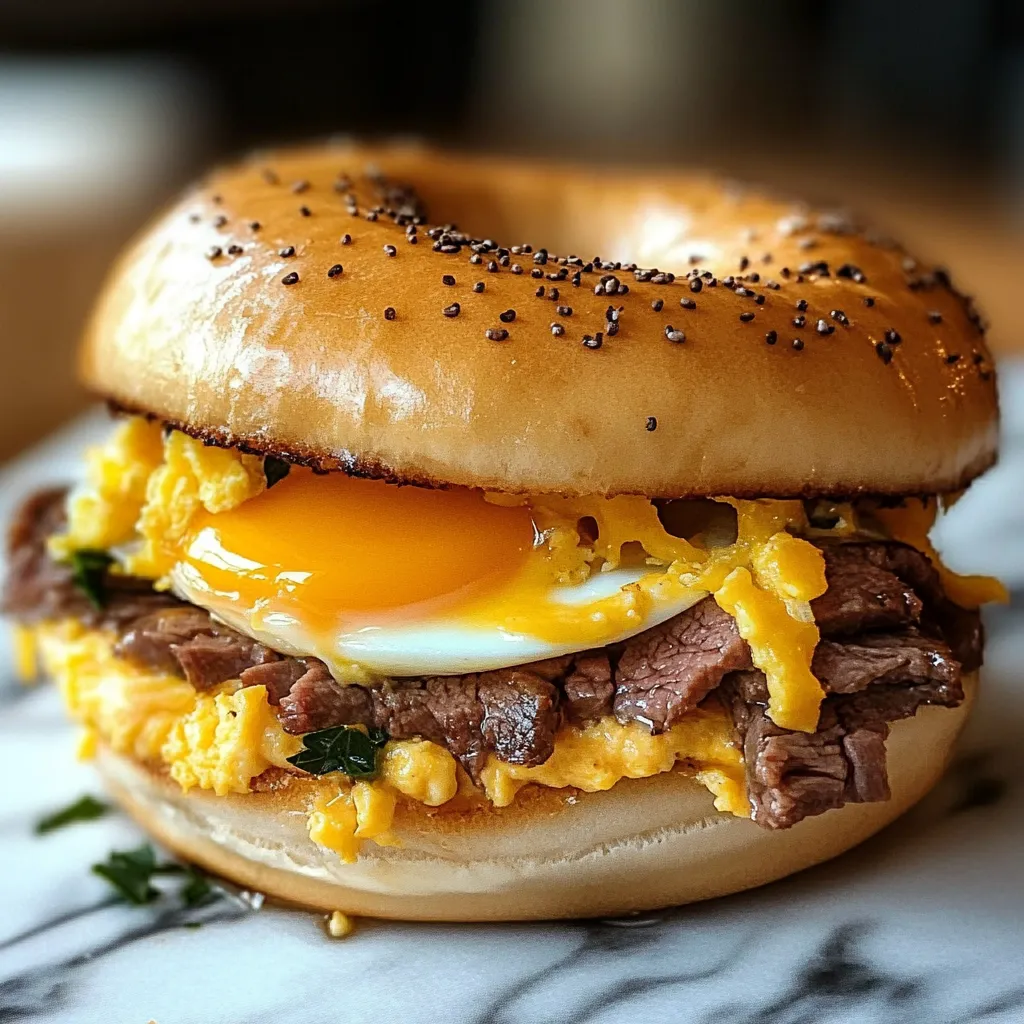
x,y
430,573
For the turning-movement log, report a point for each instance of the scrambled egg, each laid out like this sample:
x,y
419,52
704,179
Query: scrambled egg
x,y
596,757
218,740
223,740
142,490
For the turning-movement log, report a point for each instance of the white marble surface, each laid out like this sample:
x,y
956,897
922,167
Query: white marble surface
x,y
923,923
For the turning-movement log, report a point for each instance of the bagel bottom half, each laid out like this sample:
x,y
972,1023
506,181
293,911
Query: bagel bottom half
x,y
644,844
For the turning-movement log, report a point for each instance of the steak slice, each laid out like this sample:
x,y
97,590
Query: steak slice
x,y
875,658
873,566
520,715
277,676
188,641
316,701
667,671
589,688
793,775
862,593
511,712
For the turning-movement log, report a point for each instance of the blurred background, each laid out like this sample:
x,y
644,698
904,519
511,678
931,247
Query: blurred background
x,y
911,113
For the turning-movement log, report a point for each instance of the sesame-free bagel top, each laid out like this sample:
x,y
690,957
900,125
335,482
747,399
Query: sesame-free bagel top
x,y
309,304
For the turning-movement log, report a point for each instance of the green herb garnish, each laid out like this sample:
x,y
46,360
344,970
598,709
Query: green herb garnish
x,y
344,749
197,889
130,872
87,808
275,469
89,574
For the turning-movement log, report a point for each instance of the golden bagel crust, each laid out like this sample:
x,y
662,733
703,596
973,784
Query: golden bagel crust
x,y
197,327
644,844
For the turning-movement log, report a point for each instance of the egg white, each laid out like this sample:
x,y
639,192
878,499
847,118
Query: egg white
x,y
434,646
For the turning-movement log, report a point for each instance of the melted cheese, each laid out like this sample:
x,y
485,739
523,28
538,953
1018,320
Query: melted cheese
x,y
911,524
596,757
219,741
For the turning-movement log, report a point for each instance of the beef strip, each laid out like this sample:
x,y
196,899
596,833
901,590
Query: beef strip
x,y
510,712
793,775
667,671
877,658
37,588
875,571
862,593
521,715
190,642
279,677
588,686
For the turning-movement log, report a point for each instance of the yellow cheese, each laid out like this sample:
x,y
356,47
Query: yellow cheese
x,y
219,741
780,646
911,524
25,659
597,756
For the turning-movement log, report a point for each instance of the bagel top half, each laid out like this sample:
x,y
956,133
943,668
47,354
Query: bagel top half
x,y
310,304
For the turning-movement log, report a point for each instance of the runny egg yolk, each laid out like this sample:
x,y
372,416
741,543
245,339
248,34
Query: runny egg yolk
x,y
350,551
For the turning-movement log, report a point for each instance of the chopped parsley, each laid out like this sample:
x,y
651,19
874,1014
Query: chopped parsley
x,y
86,808
89,574
275,469
345,749
131,872
197,889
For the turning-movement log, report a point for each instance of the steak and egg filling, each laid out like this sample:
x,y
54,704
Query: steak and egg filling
x,y
235,620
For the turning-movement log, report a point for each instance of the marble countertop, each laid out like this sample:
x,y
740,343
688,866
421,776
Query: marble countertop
x,y
925,922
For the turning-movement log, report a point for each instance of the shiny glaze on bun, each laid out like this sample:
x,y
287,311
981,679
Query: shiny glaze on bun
x,y
311,304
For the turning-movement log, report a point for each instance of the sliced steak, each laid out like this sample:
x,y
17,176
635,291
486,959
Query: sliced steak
x,y
862,594
589,688
871,659
793,775
667,671
190,642
277,676
209,660
316,701
512,713
520,715
790,775
872,566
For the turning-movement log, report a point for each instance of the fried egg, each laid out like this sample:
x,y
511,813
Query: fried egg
x,y
374,578
377,580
